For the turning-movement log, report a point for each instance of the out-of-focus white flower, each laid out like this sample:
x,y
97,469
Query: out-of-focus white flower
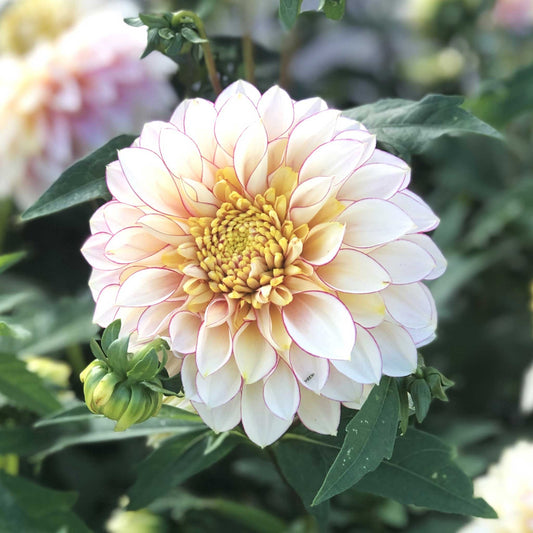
x,y
71,92
508,488
278,251
513,14
142,521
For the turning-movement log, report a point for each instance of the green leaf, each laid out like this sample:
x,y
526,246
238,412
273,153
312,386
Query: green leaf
x,y
13,330
333,9
153,21
192,36
134,21
83,181
24,388
369,438
8,260
407,127
421,472
421,395
288,12
25,506
110,334
176,460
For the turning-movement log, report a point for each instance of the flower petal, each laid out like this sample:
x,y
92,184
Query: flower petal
x,y
311,371
238,87
320,324
318,413
221,386
155,319
323,243
398,350
410,305
180,154
250,151
148,287
132,244
221,418
281,393
368,310
340,388
118,185
199,118
419,212
189,371
270,323
308,198
105,310
277,112
183,330
431,248
213,349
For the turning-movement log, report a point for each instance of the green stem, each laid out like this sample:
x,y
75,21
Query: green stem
x,y
76,359
6,208
248,58
182,16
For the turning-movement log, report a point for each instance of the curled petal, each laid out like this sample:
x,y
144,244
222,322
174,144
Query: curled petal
x,y
323,243
148,287
281,393
421,214
183,330
221,418
213,349
431,248
189,371
318,413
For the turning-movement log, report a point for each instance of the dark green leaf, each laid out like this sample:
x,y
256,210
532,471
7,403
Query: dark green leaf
x,y
110,334
421,395
192,36
134,21
176,460
333,9
13,330
288,12
24,388
8,260
153,21
27,507
369,438
407,127
83,181
421,472
166,33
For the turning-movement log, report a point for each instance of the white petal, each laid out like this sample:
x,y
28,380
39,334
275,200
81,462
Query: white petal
x,y
341,388
366,309
118,215
132,244
373,222
118,185
154,321
431,248
221,386
238,87
404,261
149,137
105,310
148,287
221,418
164,229
355,272
189,371
308,198
318,413
421,214
180,154
365,365
306,108
250,150
183,330
311,371
277,112
199,125
213,349
398,351
323,243
281,393
93,251
253,354
270,323
410,305
320,324
357,404
260,424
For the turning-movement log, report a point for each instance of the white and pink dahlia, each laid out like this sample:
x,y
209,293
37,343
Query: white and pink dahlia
x,y
276,249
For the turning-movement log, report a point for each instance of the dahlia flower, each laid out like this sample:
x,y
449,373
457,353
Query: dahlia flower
x,y
71,91
508,487
276,250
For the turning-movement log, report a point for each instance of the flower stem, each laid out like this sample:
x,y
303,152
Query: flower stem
x,y
248,58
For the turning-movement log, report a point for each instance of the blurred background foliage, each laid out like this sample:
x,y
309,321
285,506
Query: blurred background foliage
x,y
481,188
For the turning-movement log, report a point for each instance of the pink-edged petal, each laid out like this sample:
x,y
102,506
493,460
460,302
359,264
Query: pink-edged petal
x,y
197,198
180,154
368,310
373,222
221,418
99,279
250,151
382,176
238,87
235,115
421,214
148,286
150,179
306,108
320,324
129,318
183,330
132,244
149,137
340,388
365,365
355,272
357,404
431,248
318,413
106,310
270,323
308,198
118,215
221,386
164,229
118,185
178,117
323,243
93,251
261,425
217,312
213,349
277,111
410,305
255,357
97,222
338,158
200,118
422,336
404,261
398,351
189,371
154,321
311,371
281,392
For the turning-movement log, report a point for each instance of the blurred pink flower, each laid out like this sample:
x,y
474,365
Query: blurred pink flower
x,y
67,96
276,249
513,14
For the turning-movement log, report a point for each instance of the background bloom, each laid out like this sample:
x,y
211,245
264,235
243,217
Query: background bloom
x,y
278,251
67,86
508,488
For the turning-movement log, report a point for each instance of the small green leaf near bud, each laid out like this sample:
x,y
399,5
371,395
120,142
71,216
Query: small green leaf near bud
x,y
192,36
438,383
153,21
421,395
110,334
134,21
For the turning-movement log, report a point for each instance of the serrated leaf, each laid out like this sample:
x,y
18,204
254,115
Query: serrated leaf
x,y
407,127
421,472
370,437
192,36
288,12
333,9
26,506
24,388
176,460
83,181
8,260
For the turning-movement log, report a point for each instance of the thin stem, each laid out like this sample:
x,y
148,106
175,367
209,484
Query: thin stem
x,y
181,16
5,212
248,58
76,359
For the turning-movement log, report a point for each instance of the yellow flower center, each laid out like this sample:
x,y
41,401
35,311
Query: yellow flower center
x,y
248,249
26,22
